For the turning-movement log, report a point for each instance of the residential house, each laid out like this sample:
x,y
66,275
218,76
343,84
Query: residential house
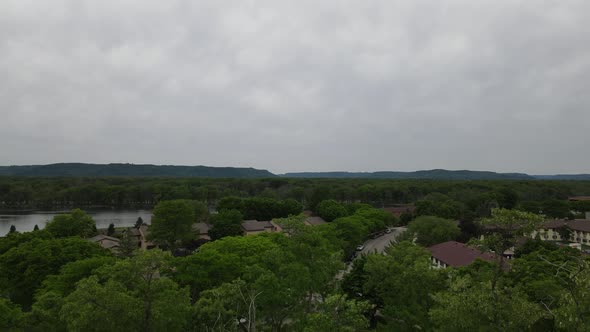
x,y
397,211
251,227
456,254
202,229
314,221
105,241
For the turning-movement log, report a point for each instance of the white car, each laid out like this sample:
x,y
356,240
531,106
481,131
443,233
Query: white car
x,y
360,247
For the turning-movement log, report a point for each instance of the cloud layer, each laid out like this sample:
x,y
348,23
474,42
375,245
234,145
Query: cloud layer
x,y
298,85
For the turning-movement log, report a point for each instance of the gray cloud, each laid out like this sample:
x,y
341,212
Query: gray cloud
x,y
298,85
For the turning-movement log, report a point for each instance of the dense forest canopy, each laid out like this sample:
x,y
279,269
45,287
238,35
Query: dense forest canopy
x,y
438,196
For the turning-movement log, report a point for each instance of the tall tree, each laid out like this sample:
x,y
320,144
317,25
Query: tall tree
x,y
138,222
132,295
172,223
401,283
24,267
75,223
127,245
432,230
12,229
111,229
471,306
331,210
226,223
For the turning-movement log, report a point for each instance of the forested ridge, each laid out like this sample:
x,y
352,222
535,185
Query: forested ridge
x,y
82,169
143,170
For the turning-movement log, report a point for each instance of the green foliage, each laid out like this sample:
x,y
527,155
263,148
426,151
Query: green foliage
x,y
261,208
472,306
131,295
75,223
573,312
128,245
226,223
440,205
556,208
338,314
23,268
12,229
331,210
11,316
507,225
432,230
401,283
14,239
172,222
69,274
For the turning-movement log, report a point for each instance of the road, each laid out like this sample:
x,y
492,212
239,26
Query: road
x,y
379,244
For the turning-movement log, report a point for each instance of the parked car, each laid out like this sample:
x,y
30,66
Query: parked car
x,y
388,230
360,247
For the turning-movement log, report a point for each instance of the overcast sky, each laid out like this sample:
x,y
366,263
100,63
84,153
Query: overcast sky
x,y
298,85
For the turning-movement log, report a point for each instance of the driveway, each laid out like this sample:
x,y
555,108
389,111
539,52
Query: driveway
x,y
379,244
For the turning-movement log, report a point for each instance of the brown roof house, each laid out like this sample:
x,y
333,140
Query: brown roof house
x,y
105,241
399,210
456,254
314,221
251,227
202,229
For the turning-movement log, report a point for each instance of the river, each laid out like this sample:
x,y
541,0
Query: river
x,y
26,221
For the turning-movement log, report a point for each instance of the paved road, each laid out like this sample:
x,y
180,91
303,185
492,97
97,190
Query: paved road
x,y
374,245
379,244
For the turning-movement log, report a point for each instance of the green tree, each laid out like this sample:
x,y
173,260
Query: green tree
x,y
338,314
75,223
472,306
111,229
128,245
172,222
36,228
138,223
131,295
11,316
401,283
12,229
432,230
24,267
556,208
226,223
201,211
331,210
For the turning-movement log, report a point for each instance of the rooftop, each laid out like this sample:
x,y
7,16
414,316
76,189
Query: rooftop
x,y
255,225
582,225
314,221
458,254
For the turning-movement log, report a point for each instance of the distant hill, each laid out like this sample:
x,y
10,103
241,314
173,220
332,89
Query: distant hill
x,y
436,174
580,177
81,169
142,170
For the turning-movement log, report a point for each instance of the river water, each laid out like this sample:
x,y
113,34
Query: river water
x,y
26,221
